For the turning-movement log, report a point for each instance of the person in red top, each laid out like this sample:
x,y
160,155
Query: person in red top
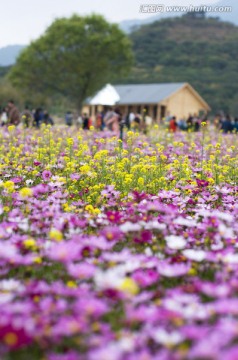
x,y
173,124
99,121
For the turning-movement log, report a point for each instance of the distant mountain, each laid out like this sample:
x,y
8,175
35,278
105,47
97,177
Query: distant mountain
x,y
133,24
201,51
9,54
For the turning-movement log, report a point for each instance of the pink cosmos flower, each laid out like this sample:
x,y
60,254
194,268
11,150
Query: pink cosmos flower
x,y
46,175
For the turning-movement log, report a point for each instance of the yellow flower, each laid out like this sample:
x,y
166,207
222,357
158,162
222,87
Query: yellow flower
x,y
9,186
211,181
92,210
11,128
141,181
70,141
129,286
163,157
55,235
192,272
71,284
29,243
26,192
84,169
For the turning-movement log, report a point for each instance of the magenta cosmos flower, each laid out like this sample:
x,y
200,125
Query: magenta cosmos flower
x,y
46,175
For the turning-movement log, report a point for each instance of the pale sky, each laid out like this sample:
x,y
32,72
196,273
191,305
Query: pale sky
x,y
24,20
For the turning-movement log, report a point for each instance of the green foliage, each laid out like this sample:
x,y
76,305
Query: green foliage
x,y
74,58
203,52
4,70
7,92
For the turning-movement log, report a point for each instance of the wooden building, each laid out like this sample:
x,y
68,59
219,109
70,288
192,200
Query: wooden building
x,y
159,100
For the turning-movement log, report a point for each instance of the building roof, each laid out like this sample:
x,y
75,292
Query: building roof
x,y
146,93
141,94
107,96
136,93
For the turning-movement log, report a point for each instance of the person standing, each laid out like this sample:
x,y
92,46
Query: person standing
x,y
13,114
197,123
227,126
27,117
37,118
173,125
99,121
86,123
69,118
236,125
190,123
107,118
4,118
136,124
114,122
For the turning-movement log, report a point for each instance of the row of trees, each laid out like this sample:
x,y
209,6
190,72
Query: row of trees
x,y
73,59
76,56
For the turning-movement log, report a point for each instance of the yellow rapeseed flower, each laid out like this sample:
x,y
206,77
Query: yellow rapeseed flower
x,y
11,128
26,192
9,186
55,235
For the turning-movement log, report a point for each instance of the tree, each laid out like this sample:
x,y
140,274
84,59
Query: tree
x,y
75,57
7,92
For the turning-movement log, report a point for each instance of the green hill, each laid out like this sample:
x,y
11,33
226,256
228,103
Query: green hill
x,y
4,70
203,52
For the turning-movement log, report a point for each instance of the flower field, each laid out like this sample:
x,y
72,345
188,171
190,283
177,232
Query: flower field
x,y
118,251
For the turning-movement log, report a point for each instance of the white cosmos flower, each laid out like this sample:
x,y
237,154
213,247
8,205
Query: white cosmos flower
x,y
225,231
175,242
5,298
231,259
224,216
106,279
165,338
185,222
127,343
29,182
11,285
7,251
154,225
129,226
195,255
148,251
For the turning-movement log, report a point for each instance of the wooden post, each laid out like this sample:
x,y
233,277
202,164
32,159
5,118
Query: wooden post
x,y
93,113
158,120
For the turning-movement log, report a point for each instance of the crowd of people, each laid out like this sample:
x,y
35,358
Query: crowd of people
x,y
223,123
112,119
192,123
11,115
226,124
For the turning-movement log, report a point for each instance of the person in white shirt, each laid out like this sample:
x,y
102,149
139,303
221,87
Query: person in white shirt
x,y
131,117
3,117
